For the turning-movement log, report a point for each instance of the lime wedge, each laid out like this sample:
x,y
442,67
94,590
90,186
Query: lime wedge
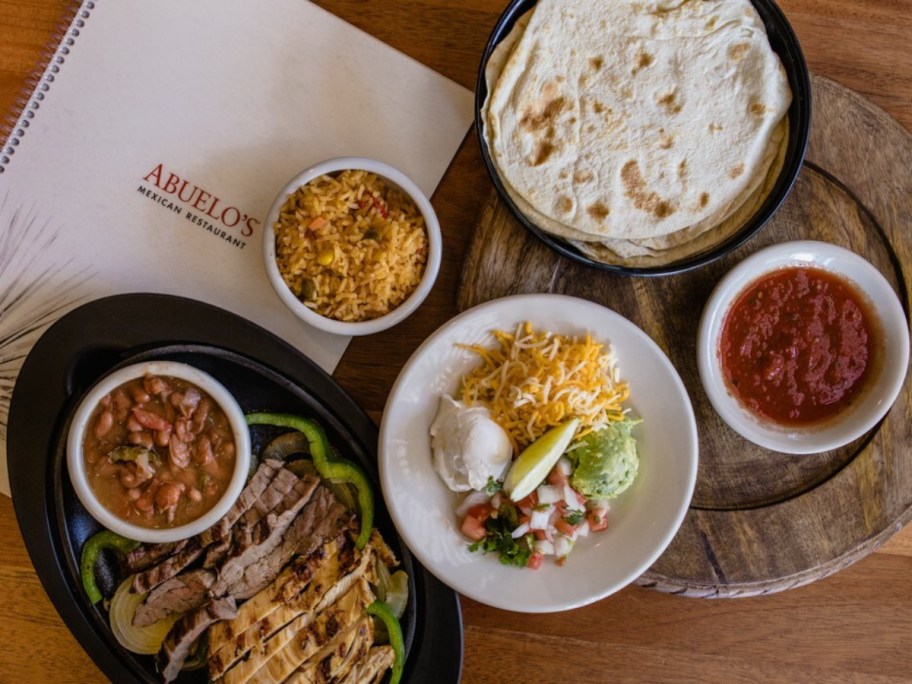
x,y
537,459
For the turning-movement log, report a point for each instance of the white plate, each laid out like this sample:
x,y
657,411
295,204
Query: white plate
x,y
642,521
875,402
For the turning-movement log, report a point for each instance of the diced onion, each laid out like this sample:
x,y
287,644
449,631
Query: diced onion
x,y
520,531
471,500
549,494
544,547
397,593
562,546
565,466
571,500
540,519
496,500
583,529
146,640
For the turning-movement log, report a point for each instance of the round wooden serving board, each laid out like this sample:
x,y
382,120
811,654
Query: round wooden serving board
x,y
759,521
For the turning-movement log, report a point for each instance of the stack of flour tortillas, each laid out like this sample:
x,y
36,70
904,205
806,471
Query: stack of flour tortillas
x,y
642,132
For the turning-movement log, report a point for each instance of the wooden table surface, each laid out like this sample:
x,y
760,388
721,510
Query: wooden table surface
x,y
855,626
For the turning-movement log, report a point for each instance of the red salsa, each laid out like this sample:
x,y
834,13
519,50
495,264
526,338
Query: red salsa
x,y
798,346
159,452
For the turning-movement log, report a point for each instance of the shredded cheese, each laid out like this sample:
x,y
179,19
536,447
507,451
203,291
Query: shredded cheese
x,y
534,381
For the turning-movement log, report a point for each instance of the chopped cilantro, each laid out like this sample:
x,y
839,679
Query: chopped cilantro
x,y
493,486
574,517
499,539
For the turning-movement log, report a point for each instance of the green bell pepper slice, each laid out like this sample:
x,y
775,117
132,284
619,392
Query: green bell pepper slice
x,y
382,611
340,470
91,550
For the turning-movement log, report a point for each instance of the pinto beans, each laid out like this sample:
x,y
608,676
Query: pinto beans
x,y
187,456
143,439
104,424
168,495
179,451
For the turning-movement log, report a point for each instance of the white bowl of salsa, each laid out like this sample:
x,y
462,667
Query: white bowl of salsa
x,y
158,451
803,347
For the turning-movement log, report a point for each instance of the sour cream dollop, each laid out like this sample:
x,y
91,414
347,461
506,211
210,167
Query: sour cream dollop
x,y
469,447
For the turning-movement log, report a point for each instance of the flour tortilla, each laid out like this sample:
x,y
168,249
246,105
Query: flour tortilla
x,y
677,171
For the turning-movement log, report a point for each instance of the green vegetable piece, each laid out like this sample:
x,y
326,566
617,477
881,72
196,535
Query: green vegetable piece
x,y
131,453
91,550
336,469
308,290
371,234
605,462
493,486
574,517
382,612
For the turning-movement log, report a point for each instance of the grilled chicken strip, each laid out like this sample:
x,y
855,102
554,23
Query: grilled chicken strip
x,y
302,638
272,609
338,657
372,669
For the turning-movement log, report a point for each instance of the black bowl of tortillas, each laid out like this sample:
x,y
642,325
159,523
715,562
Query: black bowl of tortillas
x,y
645,137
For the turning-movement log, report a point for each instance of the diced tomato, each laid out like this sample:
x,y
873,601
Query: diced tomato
x,y
481,512
540,534
523,519
556,477
597,521
579,497
564,527
560,561
530,501
473,528
535,561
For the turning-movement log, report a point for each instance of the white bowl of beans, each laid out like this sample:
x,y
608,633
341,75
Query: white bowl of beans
x,y
158,451
352,246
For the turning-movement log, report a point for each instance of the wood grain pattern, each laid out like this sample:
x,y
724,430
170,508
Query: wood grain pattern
x,y
759,521
851,627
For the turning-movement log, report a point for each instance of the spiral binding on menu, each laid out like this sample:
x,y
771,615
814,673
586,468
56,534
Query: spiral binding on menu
x,y
14,127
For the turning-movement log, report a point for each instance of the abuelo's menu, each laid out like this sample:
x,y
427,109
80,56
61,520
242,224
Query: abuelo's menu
x,y
148,156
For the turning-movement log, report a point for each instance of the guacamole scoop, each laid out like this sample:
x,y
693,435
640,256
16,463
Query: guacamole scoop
x,y
605,462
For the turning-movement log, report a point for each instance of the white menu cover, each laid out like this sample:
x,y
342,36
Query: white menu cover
x,y
154,144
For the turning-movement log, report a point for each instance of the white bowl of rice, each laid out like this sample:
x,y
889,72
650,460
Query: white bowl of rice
x,y
352,246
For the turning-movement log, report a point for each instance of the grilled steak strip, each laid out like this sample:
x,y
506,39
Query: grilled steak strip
x,y
217,552
187,630
178,595
283,482
264,475
298,641
323,518
258,543
168,568
145,556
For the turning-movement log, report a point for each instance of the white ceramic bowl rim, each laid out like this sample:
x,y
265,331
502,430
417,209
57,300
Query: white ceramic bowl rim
x,y
80,422
875,402
431,268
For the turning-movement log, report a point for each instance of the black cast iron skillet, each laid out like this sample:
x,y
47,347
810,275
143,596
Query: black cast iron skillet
x,y
263,373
